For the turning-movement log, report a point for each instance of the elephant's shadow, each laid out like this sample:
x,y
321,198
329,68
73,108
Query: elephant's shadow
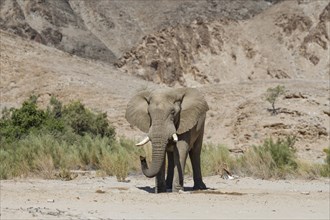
x,y
152,189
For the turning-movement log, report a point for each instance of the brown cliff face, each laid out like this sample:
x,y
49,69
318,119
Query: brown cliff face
x,y
54,24
288,41
233,54
104,30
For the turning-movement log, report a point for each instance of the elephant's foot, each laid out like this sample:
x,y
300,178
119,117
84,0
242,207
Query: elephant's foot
x,y
160,188
177,188
199,186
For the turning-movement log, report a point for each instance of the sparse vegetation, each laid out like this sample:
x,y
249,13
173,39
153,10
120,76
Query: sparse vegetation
x,y
67,123
326,167
215,159
272,159
49,143
272,95
48,157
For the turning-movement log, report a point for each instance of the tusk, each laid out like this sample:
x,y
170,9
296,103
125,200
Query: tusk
x,y
143,142
175,137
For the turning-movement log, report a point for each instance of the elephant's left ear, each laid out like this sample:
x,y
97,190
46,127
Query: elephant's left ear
x,y
137,111
193,107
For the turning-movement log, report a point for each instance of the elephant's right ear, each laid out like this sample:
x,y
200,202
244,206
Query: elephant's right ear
x,y
137,111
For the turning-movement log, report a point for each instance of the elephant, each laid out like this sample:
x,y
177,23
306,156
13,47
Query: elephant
x,y
174,121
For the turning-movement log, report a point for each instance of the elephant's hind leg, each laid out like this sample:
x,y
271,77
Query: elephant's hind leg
x,y
195,159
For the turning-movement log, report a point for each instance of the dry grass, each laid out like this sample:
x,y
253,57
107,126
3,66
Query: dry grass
x,y
45,156
45,167
215,159
256,162
273,159
49,158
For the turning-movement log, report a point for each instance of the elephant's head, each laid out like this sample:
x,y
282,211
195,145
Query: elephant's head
x,y
164,116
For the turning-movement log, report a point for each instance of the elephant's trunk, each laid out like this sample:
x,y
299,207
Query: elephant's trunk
x,y
158,157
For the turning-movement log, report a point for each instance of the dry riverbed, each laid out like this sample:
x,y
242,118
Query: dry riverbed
x,y
90,197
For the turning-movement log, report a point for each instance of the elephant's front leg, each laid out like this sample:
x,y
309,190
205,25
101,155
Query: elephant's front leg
x,y
170,170
160,185
180,155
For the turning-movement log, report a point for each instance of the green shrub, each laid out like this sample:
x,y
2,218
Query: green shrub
x,y
67,122
60,137
282,151
83,121
17,123
272,95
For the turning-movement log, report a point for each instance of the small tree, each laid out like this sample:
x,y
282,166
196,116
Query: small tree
x,y
272,95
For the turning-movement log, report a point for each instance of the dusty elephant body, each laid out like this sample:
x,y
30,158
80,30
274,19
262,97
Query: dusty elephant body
x,y
174,121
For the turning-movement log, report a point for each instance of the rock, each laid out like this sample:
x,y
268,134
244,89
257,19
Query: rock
x,y
100,191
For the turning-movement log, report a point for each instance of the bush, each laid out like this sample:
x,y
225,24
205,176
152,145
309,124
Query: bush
x,y
282,151
272,95
66,123
272,159
17,123
83,121
59,138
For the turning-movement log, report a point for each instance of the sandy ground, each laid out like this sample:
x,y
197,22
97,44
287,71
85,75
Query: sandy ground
x,y
90,197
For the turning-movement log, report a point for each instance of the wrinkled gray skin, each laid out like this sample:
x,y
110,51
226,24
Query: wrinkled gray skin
x,y
161,114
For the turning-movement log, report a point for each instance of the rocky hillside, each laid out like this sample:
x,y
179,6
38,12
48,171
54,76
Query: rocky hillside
x,y
52,23
287,41
233,51
104,30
